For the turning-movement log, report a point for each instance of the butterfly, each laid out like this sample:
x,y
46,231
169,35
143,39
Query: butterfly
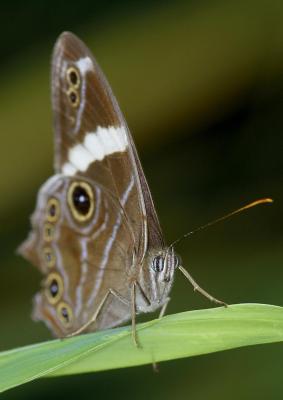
x,y
95,234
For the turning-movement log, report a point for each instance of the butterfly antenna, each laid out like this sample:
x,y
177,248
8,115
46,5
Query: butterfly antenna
x,y
266,200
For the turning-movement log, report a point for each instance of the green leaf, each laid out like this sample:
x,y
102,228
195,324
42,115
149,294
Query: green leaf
x,y
174,336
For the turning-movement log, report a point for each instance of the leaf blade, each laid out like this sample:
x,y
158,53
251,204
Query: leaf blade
x,y
175,336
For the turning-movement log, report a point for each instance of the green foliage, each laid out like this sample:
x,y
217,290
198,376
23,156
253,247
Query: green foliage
x,y
174,336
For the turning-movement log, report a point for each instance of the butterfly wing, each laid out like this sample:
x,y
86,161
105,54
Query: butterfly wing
x,y
83,261
92,138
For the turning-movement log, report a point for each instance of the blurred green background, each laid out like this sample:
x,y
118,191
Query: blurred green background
x,y
201,86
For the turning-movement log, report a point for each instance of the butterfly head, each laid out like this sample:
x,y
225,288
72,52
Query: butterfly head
x,y
162,266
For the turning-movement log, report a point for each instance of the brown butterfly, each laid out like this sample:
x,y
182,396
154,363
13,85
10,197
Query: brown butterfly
x,y
95,232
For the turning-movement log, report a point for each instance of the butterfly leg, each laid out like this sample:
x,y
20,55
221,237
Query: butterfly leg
x,y
197,288
97,311
163,308
161,314
133,314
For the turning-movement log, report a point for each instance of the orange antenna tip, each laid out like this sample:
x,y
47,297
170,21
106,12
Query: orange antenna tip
x,y
266,200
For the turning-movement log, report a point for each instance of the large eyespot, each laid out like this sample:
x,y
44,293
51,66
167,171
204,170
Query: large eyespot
x,y
158,263
81,201
52,210
48,232
65,314
49,257
73,97
53,288
73,77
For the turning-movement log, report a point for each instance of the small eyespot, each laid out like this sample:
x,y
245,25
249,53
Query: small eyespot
x,y
53,288
73,97
81,201
73,77
48,232
49,257
52,210
65,314
158,263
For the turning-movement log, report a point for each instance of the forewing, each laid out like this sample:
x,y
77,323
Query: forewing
x,y
92,138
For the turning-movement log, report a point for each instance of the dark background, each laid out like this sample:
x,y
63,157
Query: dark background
x,y
200,84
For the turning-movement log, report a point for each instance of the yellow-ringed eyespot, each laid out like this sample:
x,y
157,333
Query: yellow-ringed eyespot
x,y
73,77
48,232
81,201
53,287
65,314
49,258
73,97
52,210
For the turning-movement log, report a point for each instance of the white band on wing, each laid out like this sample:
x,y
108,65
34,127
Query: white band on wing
x,y
95,146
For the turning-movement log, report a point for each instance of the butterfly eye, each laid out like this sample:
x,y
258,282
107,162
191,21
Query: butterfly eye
x,y
65,314
49,257
73,77
81,201
158,263
48,232
52,210
73,97
54,288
